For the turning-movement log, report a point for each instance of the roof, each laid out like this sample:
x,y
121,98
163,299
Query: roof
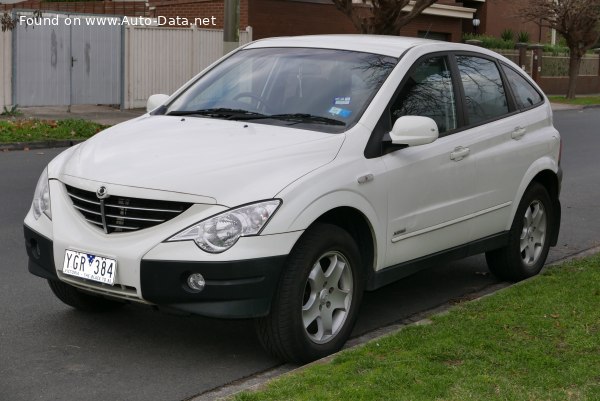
x,y
379,44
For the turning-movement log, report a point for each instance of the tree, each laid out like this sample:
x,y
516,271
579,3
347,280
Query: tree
x,y
7,22
381,17
578,21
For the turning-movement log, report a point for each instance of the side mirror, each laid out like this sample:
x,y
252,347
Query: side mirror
x,y
414,131
155,101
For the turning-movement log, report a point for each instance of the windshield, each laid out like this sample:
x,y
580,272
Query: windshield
x,y
317,89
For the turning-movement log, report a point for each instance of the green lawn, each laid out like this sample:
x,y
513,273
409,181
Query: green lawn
x,y
537,340
579,101
44,130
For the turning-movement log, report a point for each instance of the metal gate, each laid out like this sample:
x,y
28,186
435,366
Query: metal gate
x,y
67,59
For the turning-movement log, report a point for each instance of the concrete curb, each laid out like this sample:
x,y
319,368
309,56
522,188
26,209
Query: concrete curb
x,y
258,381
8,147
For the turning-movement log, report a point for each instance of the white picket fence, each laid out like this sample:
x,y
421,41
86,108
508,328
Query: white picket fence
x,y
160,60
5,69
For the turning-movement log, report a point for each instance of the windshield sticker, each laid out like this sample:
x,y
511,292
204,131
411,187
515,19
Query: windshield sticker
x,y
337,111
342,100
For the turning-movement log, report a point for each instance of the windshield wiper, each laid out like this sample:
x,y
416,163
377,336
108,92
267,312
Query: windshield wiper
x,y
218,113
240,114
297,117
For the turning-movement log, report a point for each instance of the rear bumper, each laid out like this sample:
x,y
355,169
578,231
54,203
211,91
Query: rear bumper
x,y
234,289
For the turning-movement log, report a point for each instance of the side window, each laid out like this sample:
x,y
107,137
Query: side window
x,y
428,92
525,94
485,96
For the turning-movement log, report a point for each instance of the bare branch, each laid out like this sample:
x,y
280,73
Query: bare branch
x,y
576,20
383,17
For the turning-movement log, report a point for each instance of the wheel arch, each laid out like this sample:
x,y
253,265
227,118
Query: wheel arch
x,y
551,181
360,229
548,174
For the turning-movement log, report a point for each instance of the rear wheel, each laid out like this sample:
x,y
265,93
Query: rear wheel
x,y
317,302
529,238
81,301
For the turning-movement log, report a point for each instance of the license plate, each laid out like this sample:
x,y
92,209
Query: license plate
x,y
89,266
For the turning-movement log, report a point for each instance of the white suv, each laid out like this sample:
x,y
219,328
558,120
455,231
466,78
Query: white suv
x,y
295,173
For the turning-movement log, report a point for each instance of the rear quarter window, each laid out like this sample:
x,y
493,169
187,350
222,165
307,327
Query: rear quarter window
x,y
525,94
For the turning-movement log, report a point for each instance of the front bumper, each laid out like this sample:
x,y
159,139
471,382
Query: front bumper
x,y
41,254
240,282
234,289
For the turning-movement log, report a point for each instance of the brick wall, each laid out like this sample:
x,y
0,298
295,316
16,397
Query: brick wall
x,y
586,85
129,8
281,18
498,15
192,9
267,17
452,27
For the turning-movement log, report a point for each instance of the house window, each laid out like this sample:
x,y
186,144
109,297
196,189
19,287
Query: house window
x,y
434,35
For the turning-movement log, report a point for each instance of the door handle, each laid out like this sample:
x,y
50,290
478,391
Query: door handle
x,y
73,61
518,133
459,153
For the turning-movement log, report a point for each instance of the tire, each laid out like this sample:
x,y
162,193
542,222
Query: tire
x,y
529,238
310,317
81,301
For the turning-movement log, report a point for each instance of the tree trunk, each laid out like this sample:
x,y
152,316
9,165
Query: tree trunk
x,y
574,64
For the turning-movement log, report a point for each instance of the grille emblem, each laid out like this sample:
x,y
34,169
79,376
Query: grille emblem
x,y
102,192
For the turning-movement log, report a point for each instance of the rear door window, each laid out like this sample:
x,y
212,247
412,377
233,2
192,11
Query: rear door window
x,y
485,95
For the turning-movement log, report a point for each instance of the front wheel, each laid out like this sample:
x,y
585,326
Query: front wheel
x,y
317,301
529,238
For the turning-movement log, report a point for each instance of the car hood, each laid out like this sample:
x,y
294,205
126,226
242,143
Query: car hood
x,y
233,162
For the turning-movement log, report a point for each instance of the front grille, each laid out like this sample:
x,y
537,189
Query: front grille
x,y
122,214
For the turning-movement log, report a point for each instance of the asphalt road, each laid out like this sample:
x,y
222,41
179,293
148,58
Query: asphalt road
x,y
51,352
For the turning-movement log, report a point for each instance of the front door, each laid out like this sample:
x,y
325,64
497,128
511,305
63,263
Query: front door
x,y
430,187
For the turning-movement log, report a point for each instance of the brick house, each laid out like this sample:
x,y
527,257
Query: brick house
x,y
498,15
445,20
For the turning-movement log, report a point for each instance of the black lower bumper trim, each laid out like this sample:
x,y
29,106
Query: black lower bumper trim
x,y
234,289
41,254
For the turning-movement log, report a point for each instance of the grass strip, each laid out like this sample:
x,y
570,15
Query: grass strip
x,y
579,101
12,131
537,340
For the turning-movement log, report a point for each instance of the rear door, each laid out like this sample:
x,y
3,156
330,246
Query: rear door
x,y
503,131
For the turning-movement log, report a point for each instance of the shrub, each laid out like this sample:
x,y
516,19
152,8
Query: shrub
x,y
507,35
490,42
523,37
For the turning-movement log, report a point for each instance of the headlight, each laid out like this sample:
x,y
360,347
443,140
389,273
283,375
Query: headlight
x,y
41,197
219,233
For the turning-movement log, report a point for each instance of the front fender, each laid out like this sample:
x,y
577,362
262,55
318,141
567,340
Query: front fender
x,y
295,215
